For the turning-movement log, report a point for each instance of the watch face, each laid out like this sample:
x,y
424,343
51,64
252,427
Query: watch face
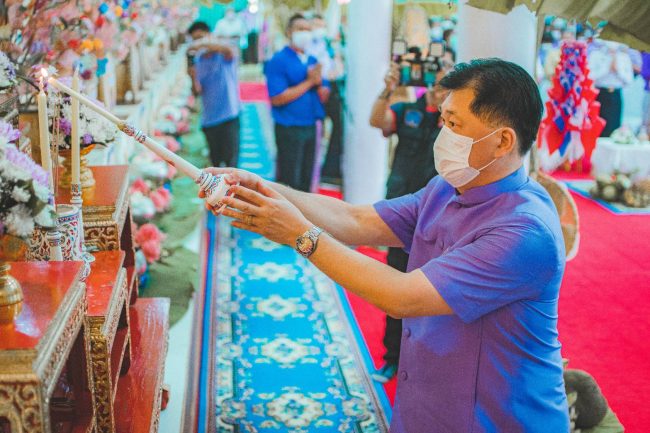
x,y
305,244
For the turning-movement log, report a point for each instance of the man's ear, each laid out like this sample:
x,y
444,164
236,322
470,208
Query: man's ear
x,y
507,144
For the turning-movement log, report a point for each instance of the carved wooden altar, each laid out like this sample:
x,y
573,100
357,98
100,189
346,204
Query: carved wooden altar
x,y
127,336
44,386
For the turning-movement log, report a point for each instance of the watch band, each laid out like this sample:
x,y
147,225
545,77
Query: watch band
x,y
312,234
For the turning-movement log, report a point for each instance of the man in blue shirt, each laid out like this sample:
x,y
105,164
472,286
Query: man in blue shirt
x,y
479,299
214,74
297,92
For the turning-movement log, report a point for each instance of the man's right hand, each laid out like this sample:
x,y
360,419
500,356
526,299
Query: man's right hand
x,y
237,175
314,75
392,77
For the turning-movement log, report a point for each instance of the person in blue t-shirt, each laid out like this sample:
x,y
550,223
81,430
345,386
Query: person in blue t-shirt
x,y
297,92
213,67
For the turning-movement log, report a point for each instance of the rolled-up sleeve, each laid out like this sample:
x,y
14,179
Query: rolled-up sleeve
x,y
401,215
504,265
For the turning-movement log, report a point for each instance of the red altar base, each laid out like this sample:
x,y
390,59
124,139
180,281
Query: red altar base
x,y
43,374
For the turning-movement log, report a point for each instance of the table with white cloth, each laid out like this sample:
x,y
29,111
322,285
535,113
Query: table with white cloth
x,y
609,156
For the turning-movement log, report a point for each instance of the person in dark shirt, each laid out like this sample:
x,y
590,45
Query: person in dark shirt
x,y
417,125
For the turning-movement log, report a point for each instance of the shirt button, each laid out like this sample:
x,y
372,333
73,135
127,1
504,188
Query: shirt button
x,y
407,332
404,375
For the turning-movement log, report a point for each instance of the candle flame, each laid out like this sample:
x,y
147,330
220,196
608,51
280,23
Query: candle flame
x,y
43,73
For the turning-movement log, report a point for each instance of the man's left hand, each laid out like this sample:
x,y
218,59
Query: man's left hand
x,y
267,213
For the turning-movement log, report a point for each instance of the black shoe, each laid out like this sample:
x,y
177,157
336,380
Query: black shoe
x,y
385,373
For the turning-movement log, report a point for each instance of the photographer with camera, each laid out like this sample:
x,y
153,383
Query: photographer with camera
x,y
417,125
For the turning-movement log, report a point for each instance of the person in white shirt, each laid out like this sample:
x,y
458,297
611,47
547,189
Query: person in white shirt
x,y
611,70
230,26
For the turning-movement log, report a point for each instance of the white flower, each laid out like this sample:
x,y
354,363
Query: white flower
x,y
19,221
45,217
11,172
21,195
42,193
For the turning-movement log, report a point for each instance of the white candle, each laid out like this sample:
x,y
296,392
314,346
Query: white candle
x,y
44,135
215,187
160,150
74,135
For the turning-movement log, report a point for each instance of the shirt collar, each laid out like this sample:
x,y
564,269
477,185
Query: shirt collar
x,y
483,193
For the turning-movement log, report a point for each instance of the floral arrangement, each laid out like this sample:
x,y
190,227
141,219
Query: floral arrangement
x,y
149,238
7,72
25,199
93,128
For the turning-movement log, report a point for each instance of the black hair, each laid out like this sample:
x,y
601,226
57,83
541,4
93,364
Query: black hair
x,y
294,18
504,93
198,25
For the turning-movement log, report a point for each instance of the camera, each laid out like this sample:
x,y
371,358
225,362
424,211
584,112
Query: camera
x,y
414,69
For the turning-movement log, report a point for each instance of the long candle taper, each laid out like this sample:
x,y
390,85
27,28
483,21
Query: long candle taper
x,y
160,150
74,134
44,135
214,187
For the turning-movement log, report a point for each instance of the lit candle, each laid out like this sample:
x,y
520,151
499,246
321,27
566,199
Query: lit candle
x,y
44,135
215,187
74,135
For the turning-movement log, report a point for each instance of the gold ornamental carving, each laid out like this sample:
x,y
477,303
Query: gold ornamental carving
x,y
20,404
103,235
100,365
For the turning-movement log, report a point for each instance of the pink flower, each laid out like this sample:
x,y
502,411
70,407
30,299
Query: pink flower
x,y
151,251
150,238
139,185
171,171
161,199
172,144
182,126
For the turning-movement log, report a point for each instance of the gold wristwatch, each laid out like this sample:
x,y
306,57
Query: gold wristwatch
x,y
306,243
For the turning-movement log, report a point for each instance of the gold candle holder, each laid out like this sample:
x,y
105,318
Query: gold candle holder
x,y
85,173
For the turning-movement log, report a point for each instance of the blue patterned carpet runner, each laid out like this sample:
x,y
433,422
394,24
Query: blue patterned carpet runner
x,y
285,356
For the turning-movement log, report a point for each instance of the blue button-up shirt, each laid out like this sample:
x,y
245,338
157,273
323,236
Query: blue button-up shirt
x,y
286,70
219,88
496,256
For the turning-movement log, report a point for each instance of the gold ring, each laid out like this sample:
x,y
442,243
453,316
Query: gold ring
x,y
249,220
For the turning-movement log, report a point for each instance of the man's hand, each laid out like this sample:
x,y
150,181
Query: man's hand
x,y
267,213
314,75
392,77
237,175
226,52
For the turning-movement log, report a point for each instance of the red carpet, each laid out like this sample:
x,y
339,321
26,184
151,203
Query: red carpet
x,y
604,311
253,92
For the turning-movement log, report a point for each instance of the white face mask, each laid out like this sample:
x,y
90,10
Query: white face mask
x,y
451,154
301,39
